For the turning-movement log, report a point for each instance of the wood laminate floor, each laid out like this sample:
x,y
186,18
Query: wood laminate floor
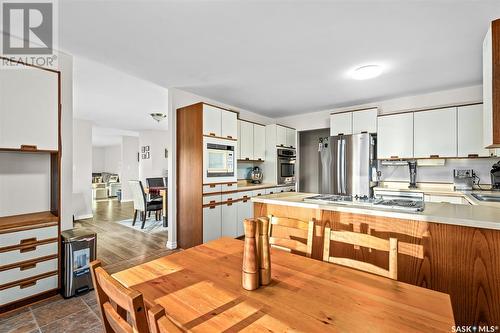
x,y
118,247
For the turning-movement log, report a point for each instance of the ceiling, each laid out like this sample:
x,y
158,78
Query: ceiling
x,y
280,58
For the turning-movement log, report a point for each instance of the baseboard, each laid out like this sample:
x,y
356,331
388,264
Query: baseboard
x,y
83,217
171,245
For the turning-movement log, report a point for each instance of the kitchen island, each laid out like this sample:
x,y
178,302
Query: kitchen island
x,y
450,248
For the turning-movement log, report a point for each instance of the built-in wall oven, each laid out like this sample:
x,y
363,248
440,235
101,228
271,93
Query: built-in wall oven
x,y
219,160
286,166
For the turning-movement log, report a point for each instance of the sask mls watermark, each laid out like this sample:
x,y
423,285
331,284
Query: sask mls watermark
x,y
29,33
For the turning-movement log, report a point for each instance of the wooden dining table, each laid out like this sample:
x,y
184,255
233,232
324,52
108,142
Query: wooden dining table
x,y
200,289
161,190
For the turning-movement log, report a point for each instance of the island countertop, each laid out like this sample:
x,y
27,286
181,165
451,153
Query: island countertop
x,y
462,215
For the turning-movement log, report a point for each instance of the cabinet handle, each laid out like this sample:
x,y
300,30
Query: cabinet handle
x,y
27,284
434,156
363,132
211,207
260,159
211,134
27,240
245,200
229,137
340,134
27,266
473,155
212,201
259,194
28,249
212,185
229,203
229,184
394,156
247,159
28,147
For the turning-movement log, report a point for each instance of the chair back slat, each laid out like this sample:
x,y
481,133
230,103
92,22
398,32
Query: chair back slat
x,y
364,240
155,182
116,302
299,228
160,323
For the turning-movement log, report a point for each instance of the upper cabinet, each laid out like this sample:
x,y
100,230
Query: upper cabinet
x,y
29,109
290,137
435,133
259,142
219,122
491,86
280,135
354,122
251,141
395,136
470,131
341,123
364,121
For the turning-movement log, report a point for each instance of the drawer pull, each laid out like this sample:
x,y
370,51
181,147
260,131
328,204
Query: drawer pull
x,y
229,203
28,147
394,156
229,184
212,201
259,194
28,249
27,266
212,185
434,156
27,241
245,200
211,134
27,284
473,155
211,207
260,159
229,137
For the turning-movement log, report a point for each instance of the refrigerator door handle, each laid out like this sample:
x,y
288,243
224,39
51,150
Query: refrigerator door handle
x,y
339,162
344,165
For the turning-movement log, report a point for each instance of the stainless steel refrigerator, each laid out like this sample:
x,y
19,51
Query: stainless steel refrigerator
x,y
348,164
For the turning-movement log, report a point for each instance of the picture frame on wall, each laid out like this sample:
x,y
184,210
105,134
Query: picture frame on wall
x,y
143,149
147,149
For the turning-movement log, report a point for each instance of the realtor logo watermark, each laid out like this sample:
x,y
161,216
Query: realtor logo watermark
x,y
29,32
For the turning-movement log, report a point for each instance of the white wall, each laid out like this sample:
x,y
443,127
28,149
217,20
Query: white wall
x,y
157,164
320,119
82,169
113,158
129,166
98,159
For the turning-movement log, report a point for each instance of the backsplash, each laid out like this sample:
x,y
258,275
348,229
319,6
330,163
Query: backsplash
x,y
244,169
440,174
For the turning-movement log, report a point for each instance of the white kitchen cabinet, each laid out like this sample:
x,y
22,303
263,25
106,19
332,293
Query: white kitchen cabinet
x,y
445,199
229,124
395,136
259,142
470,131
341,123
435,133
229,220
258,193
212,120
246,140
280,136
273,190
364,121
29,109
212,223
238,153
290,137
245,211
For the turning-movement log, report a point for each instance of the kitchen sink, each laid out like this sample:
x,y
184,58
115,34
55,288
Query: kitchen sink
x,y
487,197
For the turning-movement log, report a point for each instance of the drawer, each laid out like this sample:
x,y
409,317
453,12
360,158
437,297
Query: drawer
x,y
20,292
28,270
258,193
211,188
272,190
10,257
15,238
213,198
230,197
229,187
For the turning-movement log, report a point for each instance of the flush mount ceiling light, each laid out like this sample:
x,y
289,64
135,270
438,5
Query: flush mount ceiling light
x,y
158,116
366,72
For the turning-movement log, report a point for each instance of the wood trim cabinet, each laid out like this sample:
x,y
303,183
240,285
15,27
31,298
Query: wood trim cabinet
x,y
491,86
30,127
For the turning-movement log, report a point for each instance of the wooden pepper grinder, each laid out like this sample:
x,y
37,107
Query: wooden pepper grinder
x,y
264,251
250,274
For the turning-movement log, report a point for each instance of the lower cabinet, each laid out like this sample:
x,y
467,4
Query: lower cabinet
x,y
212,222
245,211
229,219
446,199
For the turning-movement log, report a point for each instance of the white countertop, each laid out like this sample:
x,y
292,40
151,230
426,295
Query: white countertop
x,y
477,216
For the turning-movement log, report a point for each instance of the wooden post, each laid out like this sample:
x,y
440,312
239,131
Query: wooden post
x,y
250,269
264,252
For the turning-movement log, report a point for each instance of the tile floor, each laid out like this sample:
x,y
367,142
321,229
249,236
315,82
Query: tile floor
x,y
55,315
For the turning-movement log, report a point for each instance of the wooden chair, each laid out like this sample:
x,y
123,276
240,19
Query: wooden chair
x,y
116,301
160,323
302,229
363,240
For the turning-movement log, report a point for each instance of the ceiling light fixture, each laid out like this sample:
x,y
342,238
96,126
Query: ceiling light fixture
x,y
366,72
158,116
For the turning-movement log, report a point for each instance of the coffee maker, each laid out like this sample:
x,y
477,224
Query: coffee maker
x,y
495,176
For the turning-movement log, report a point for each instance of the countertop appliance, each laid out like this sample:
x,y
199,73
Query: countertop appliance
x,y
286,166
79,249
495,176
256,175
463,179
219,161
348,165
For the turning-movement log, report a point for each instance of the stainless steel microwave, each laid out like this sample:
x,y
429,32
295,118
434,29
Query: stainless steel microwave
x,y
219,160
